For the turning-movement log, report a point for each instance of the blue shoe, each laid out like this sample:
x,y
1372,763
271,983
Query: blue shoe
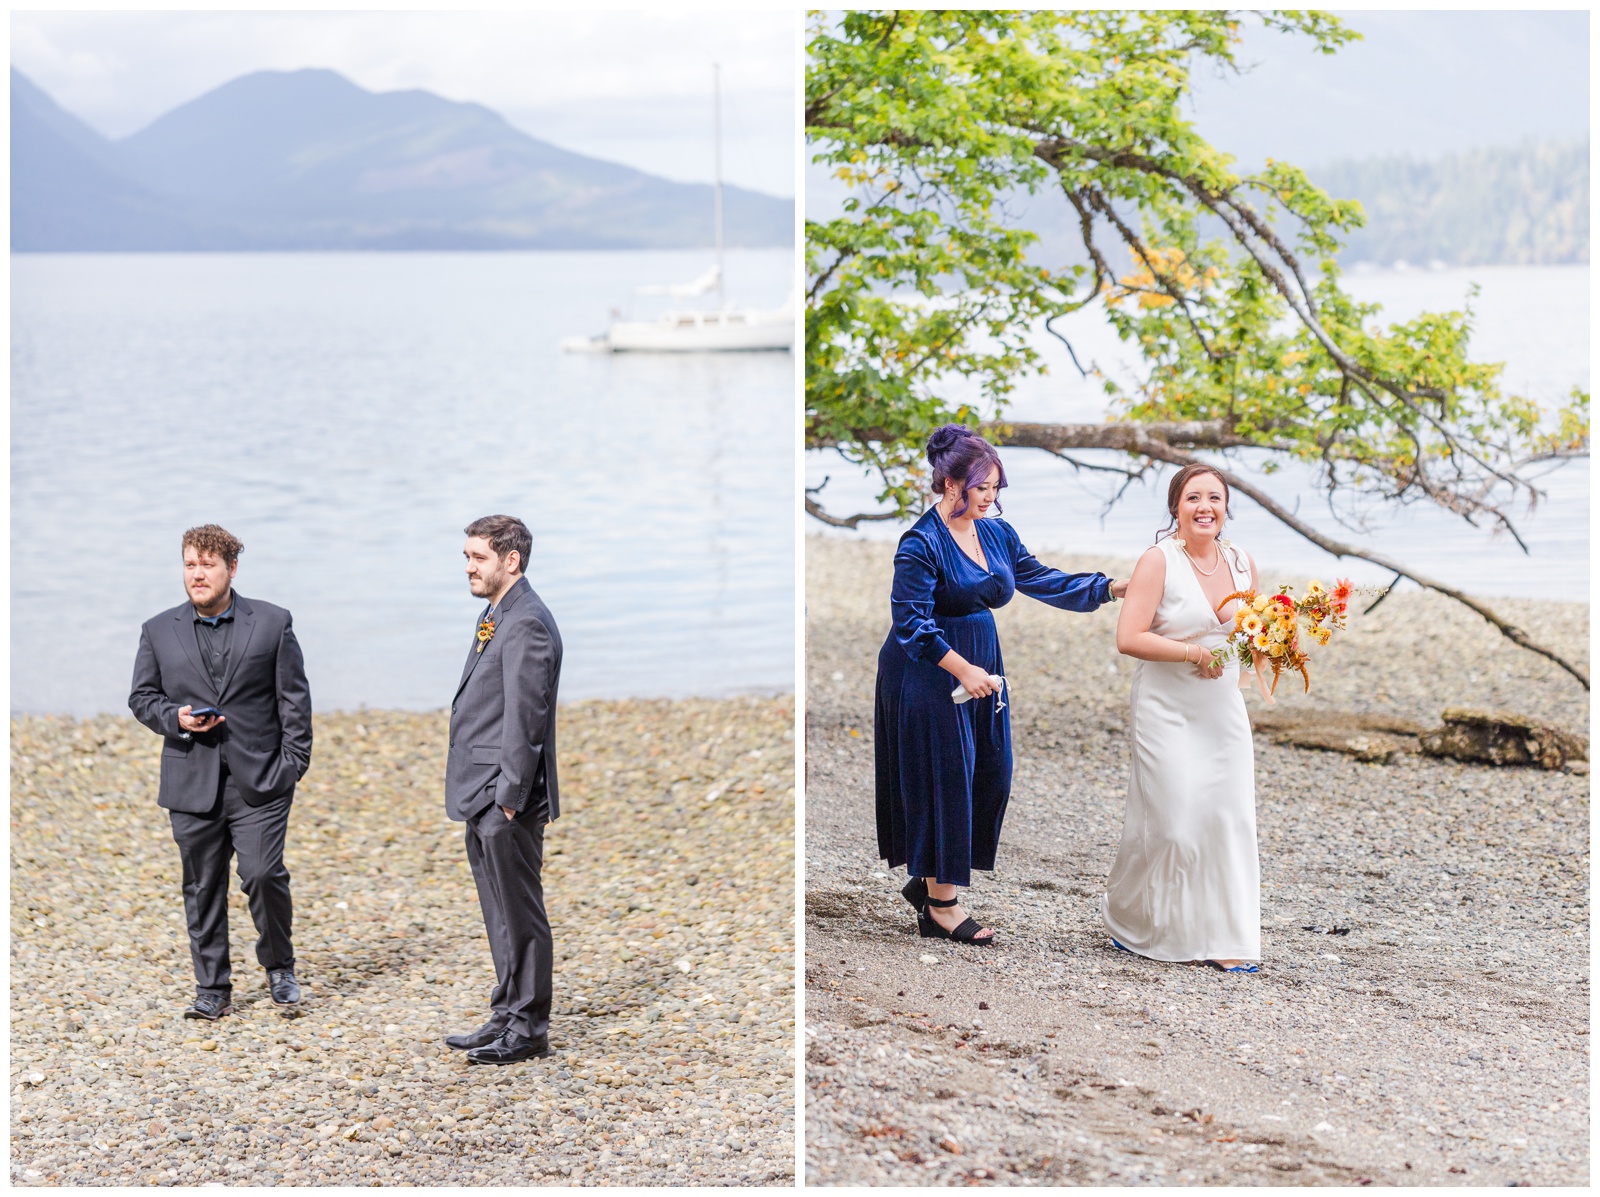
x,y
1246,967
1120,948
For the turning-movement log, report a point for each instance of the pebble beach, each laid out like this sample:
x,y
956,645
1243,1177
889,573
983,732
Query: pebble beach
x,y
1422,1011
670,885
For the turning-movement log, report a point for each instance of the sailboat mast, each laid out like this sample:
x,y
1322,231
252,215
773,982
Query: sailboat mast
x,y
716,125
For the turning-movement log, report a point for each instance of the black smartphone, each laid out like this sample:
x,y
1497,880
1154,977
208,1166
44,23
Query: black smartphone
x,y
202,712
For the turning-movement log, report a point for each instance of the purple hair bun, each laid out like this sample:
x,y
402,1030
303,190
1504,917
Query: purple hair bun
x,y
946,438
960,455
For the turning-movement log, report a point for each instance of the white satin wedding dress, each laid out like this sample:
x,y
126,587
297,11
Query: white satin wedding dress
x,y
1186,884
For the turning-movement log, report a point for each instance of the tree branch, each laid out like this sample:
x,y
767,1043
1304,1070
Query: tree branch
x,y
1195,434
1130,438
1130,475
1515,634
814,509
1246,225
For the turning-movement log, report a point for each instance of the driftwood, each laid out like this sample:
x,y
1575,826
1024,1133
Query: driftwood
x,y
1479,737
1502,738
1376,739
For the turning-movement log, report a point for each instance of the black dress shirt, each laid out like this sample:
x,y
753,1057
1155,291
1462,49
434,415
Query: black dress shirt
x,y
215,636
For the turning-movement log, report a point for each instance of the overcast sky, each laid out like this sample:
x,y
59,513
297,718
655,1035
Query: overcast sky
x,y
630,87
1419,82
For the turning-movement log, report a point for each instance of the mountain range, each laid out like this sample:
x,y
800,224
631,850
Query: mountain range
x,y
307,160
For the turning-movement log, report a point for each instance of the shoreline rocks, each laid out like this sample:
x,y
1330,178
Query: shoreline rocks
x,y
1422,1011
675,847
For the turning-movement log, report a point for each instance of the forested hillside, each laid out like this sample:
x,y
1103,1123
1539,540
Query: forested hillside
x,y
1523,206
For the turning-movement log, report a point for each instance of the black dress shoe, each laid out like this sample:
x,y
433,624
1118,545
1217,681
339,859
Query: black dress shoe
x,y
510,1048
482,1037
285,989
209,1006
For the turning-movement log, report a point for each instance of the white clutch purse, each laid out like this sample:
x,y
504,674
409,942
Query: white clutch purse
x,y
959,695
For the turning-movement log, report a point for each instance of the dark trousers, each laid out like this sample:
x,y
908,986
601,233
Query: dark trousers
x,y
206,843
506,856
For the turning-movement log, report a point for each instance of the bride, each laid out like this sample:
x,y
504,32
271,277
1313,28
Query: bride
x,y
1186,882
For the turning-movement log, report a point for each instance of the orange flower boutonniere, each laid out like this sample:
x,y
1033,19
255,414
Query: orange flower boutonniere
x,y
485,633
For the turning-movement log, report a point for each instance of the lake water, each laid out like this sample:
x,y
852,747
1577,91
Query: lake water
x,y
1534,319
346,415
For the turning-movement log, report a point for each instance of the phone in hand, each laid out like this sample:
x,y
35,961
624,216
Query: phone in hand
x,y
203,712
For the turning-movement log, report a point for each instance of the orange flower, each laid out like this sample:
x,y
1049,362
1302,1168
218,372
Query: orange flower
x,y
485,633
1272,627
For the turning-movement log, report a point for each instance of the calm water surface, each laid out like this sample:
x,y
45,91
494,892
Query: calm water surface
x,y
345,415
1534,319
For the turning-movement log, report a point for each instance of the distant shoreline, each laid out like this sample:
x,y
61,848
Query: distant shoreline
x,y
570,708
367,251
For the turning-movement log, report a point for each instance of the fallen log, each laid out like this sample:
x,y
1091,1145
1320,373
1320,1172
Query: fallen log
x,y
1503,738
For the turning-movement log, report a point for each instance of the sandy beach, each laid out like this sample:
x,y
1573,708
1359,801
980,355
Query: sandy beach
x,y
1421,1016
669,879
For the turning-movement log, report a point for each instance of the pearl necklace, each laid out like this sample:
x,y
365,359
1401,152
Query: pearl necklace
x,y
1215,565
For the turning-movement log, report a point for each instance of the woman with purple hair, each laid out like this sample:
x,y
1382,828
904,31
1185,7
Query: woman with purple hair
x,y
943,758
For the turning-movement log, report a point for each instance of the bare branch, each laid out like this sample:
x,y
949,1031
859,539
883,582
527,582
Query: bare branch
x,y
1071,352
1172,290
844,256
814,509
1103,469
1387,591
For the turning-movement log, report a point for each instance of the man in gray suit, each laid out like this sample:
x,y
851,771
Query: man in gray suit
x,y
222,679
500,780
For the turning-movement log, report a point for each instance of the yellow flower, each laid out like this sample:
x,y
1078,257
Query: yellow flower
x,y
1323,635
1250,623
1260,604
1315,589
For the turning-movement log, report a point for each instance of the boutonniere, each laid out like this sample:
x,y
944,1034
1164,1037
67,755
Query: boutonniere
x,y
485,633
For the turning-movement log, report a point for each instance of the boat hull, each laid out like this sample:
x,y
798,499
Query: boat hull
x,y
709,336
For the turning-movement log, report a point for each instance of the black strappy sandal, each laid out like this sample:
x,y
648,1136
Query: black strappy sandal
x,y
915,891
967,932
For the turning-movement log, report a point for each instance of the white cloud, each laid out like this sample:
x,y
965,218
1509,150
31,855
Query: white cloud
x,y
633,87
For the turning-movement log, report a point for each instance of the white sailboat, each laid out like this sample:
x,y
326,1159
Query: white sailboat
x,y
698,330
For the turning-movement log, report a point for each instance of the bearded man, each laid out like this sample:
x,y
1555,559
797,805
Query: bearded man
x,y
220,678
500,780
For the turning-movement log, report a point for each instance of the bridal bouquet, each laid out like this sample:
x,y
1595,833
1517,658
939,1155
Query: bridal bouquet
x,y
1269,627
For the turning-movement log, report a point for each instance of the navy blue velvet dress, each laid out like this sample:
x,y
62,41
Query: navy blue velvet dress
x,y
943,770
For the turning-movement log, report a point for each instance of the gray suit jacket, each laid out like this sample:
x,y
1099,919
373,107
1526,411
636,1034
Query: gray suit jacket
x,y
266,734
503,718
